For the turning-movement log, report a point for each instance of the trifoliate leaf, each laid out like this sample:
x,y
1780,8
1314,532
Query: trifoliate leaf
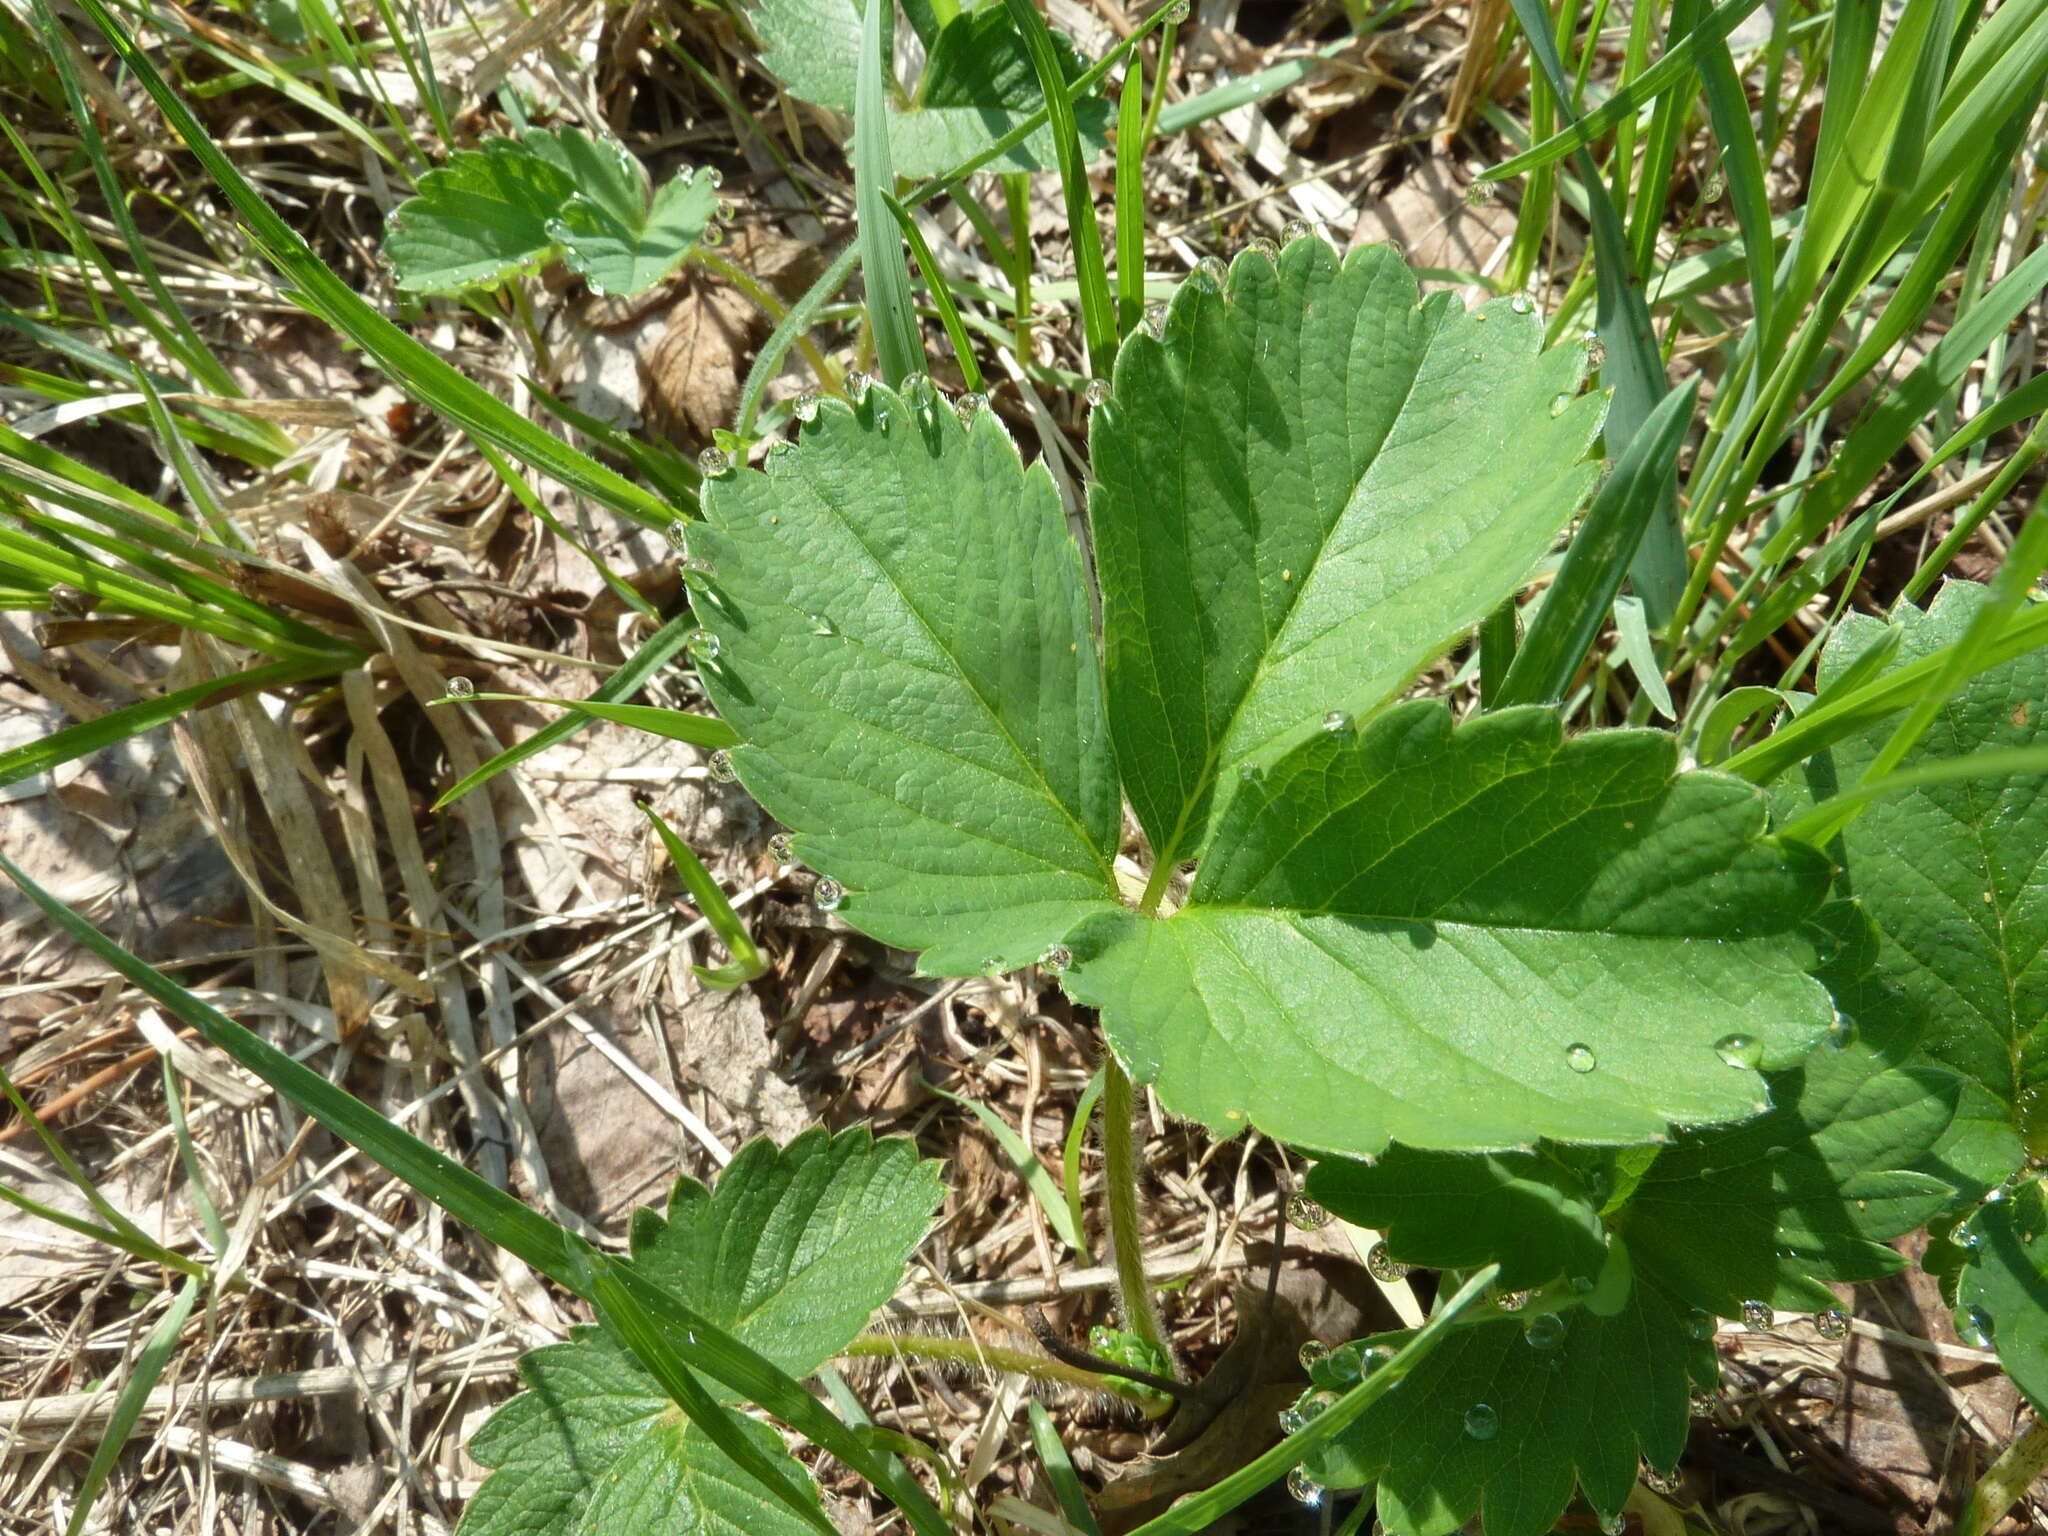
x,y
1955,876
791,1253
1305,492
977,85
905,646
1468,939
1774,1209
510,205
476,220
1528,1212
1508,1414
2002,1299
594,1447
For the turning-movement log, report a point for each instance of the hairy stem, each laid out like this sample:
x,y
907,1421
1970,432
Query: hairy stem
x,y
947,1350
1120,1181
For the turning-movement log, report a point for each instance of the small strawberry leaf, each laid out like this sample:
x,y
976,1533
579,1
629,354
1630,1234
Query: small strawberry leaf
x,y
1509,1413
1527,1211
904,644
1955,876
509,206
477,220
1310,487
2002,1298
791,1253
1468,939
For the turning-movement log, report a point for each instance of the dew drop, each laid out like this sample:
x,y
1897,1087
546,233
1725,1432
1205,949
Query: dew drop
x,y
461,688
1313,1351
1292,1420
1512,1301
1700,1325
1155,318
714,234
1098,391
1305,1489
1841,1031
1716,185
807,406
1297,229
721,768
1756,1316
782,848
827,894
1211,273
702,645
1305,1213
1665,1483
1560,404
698,572
882,421
1975,1327
1056,960
1831,1324
1481,1422
1481,194
678,534
1614,1525
713,462
823,626
1337,723
1739,1050
714,176
1261,246
970,405
1579,1057
1522,304
725,212
1544,1331
1177,12
857,386
1582,1285
1383,1266
1250,772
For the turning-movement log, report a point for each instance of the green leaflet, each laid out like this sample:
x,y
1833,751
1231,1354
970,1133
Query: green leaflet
x,y
1445,1211
513,203
2002,1298
1422,934
1953,876
905,647
1581,1406
977,84
792,1252
1306,490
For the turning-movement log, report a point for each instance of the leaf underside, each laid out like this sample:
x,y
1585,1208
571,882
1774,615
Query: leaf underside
x,y
1469,939
791,1253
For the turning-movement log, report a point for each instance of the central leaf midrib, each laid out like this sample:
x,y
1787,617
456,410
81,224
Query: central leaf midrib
x,y
1207,778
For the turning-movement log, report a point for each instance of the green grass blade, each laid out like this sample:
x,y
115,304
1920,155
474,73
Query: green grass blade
x,y
1067,1486
1670,70
1130,202
1070,1154
1742,163
1634,368
629,679
706,731
1091,270
90,736
942,295
1582,596
1246,90
422,372
1025,1164
143,1376
891,318
1820,825
1193,1515
711,901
